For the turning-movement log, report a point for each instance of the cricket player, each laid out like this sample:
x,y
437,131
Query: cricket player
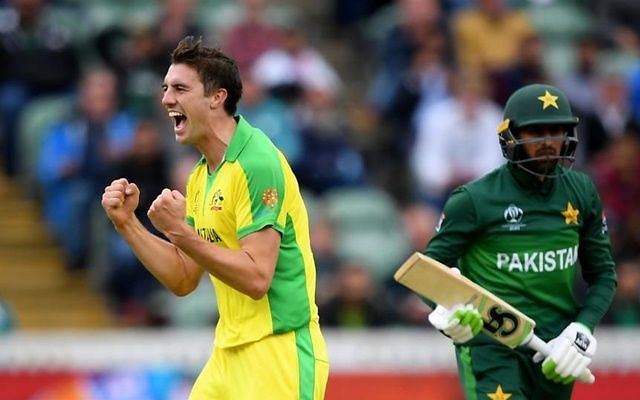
x,y
244,223
524,231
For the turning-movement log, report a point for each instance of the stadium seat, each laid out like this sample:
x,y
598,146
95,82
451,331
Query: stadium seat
x,y
561,21
103,15
368,229
360,207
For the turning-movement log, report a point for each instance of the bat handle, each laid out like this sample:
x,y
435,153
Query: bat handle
x,y
543,347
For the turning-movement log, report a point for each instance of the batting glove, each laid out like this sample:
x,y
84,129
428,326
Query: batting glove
x,y
461,323
571,353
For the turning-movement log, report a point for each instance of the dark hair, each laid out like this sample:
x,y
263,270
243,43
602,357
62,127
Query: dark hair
x,y
215,69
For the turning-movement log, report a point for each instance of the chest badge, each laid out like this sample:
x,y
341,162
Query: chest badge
x,y
513,216
216,200
570,214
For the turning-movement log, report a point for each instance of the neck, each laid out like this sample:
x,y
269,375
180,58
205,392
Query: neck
x,y
531,181
217,141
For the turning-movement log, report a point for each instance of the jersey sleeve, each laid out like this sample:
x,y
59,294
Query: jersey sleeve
x,y
596,260
457,221
455,230
260,198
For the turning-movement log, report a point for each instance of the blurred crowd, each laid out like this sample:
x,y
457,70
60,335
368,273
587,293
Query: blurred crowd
x,y
381,107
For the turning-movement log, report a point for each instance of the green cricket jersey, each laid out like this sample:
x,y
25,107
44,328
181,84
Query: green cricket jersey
x,y
253,188
523,241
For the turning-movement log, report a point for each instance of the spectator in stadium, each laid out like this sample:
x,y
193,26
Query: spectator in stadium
x,y
272,116
616,172
419,23
356,302
29,40
412,62
455,139
331,159
138,52
528,68
347,15
244,223
488,37
580,82
246,40
294,67
609,118
177,20
75,160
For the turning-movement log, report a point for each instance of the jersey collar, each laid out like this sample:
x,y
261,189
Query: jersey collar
x,y
241,136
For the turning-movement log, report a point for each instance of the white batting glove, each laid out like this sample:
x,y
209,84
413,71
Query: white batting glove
x,y
571,353
461,323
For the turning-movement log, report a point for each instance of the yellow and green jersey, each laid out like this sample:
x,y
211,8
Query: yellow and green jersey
x,y
254,188
524,242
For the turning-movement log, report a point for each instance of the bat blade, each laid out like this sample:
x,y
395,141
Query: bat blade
x,y
440,284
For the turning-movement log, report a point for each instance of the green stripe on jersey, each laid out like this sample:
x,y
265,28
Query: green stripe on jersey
x,y
306,364
288,292
262,183
465,370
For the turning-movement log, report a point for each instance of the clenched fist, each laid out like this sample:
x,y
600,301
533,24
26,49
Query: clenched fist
x,y
119,200
168,211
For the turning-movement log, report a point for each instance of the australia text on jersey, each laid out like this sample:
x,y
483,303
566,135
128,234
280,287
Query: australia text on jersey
x,y
538,261
209,234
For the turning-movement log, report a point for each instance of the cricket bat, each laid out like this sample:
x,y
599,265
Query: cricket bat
x,y
438,283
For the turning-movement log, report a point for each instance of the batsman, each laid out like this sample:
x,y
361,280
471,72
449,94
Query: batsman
x,y
526,231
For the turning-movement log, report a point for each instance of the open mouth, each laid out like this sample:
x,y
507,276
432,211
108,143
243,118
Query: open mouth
x,y
179,120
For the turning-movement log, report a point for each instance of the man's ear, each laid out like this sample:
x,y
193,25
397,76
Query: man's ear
x,y
218,98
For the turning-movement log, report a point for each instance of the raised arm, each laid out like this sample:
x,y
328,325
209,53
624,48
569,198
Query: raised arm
x,y
170,265
249,269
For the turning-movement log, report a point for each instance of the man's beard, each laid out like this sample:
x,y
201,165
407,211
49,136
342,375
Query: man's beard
x,y
545,165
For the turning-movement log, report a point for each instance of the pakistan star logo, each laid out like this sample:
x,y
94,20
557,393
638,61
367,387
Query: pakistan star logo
x,y
570,214
548,100
499,394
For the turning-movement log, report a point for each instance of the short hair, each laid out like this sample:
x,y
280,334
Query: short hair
x,y
215,69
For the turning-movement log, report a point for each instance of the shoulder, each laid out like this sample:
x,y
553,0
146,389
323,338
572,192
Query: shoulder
x,y
259,155
491,181
480,190
579,179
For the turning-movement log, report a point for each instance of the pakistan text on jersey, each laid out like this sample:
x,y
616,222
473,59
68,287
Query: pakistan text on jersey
x,y
539,261
209,234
